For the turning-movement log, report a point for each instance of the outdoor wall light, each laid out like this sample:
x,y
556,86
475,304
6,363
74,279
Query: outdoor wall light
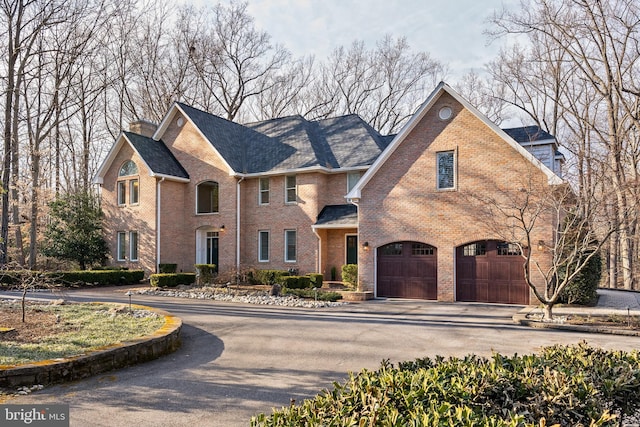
x,y
222,227
365,246
541,245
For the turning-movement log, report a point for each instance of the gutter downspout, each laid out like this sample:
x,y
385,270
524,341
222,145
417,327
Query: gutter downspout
x,y
319,265
355,202
158,211
238,224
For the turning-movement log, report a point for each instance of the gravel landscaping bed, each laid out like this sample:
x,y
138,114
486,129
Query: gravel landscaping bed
x,y
240,295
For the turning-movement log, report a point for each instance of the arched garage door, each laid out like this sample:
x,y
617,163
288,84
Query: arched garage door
x,y
490,271
407,270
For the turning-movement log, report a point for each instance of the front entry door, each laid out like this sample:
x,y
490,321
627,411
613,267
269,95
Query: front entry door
x,y
352,250
212,248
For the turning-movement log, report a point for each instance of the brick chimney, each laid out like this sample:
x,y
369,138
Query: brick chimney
x,y
143,127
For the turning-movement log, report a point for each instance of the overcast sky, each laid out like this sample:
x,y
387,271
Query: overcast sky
x,y
451,31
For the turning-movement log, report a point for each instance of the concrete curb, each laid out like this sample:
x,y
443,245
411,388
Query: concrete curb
x,y
163,341
521,319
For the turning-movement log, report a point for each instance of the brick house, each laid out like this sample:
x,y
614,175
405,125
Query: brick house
x,y
314,195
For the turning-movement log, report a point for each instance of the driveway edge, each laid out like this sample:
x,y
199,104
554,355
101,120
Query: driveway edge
x,y
521,319
163,341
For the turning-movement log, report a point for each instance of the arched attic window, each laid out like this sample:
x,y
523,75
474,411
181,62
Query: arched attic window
x,y
128,168
207,197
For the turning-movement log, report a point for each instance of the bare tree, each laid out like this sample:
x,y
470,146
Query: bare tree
x,y
233,60
585,57
579,232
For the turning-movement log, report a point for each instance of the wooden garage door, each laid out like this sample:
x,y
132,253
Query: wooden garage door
x,y
407,270
490,271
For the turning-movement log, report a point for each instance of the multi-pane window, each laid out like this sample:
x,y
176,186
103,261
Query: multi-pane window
x,y
133,246
421,249
134,191
128,169
446,170
352,180
122,193
207,197
121,246
290,245
475,249
505,248
290,189
263,246
264,191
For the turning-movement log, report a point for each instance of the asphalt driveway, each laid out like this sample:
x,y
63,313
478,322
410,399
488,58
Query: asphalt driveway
x,y
238,360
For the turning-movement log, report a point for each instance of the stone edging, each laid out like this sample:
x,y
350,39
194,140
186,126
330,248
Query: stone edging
x,y
163,341
521,319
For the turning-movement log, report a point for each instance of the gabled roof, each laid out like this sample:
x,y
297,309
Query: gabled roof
x,y
285,144
157,156
355,193
158,159
529,134
337,216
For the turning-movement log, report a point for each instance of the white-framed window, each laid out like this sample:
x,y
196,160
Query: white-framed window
x,y
133,246
263,246
207,197
352,180
263,192
128,168
290,189
290,245
446,167
121,249
134,191
122,193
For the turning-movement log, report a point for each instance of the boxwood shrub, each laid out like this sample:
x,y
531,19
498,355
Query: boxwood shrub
x,y
350,274
267,277
296,282
563,385
316,280
312,294
205,273
171,280
167,268
79,278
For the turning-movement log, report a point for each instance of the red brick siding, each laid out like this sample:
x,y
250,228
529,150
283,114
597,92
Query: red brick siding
x,y
401,201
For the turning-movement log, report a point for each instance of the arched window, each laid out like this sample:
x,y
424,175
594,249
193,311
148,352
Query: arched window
x,y
128,168
207,197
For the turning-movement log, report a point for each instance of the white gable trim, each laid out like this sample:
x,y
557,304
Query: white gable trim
x,y
356,192
168,118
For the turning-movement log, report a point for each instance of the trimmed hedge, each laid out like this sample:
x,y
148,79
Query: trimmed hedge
x,y
296,282
167,268
316,280
78,278
205,273
564,385
170,280
97,277
267,277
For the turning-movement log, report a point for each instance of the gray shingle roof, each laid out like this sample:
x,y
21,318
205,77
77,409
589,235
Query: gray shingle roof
x,y
157,156
527,134
291,142
343,215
